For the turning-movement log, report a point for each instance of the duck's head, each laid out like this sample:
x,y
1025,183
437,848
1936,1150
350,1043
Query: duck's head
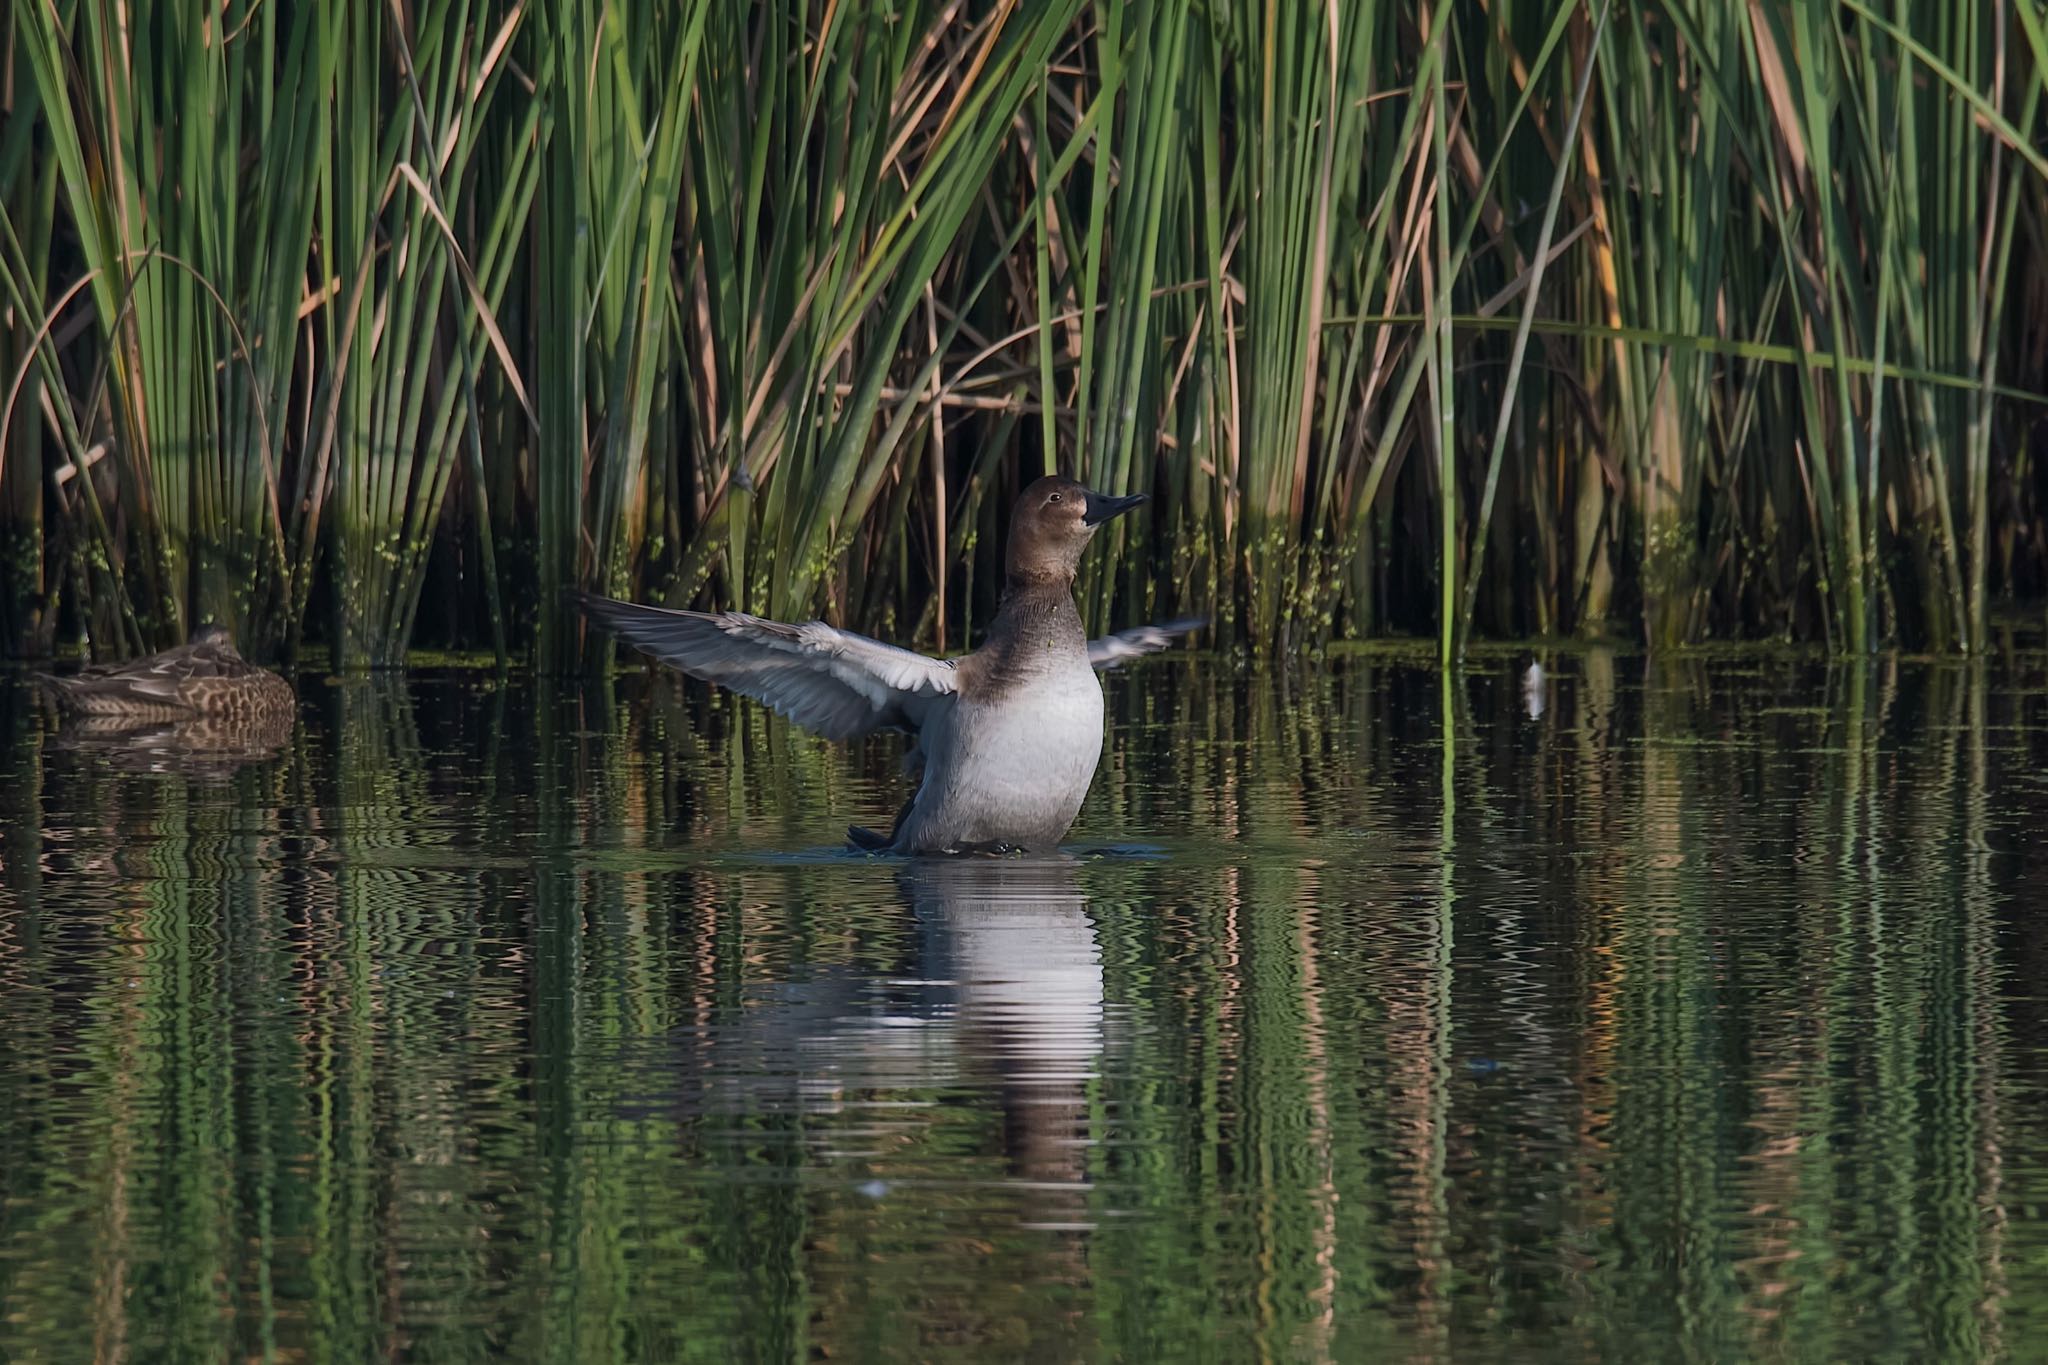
x,y
1053,522
212,635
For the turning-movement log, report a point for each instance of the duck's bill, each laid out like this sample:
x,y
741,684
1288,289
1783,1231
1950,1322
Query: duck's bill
x,y
1101,507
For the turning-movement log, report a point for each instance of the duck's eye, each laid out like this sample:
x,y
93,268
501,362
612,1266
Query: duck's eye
x,y
1051,498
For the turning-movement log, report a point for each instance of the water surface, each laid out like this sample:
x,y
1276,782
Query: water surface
x,y
1698,1016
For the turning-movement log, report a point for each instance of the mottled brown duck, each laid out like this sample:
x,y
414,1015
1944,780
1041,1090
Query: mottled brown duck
x,y
205,677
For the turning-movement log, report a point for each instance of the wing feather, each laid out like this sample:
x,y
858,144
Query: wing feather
x,y
830,681
1111,650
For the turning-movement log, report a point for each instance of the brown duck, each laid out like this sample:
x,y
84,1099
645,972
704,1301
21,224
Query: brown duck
x,y
204,677
1008,737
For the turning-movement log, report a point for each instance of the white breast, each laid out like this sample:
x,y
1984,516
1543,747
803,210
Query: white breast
x,y
1013,769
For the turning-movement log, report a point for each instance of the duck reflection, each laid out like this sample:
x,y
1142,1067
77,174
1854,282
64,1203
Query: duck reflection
x,y
1001,988
1010,942
210,747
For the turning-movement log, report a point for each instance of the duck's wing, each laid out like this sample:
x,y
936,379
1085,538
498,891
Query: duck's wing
x,y
1111,650
216,661
155,681
827,680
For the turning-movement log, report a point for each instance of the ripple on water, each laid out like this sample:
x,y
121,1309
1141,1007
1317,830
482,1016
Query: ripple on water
x,y
1697,1012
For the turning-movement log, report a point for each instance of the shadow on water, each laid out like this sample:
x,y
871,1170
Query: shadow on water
x,y
1692,1011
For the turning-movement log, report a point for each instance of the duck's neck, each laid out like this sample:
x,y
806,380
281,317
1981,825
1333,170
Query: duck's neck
x,y
1037,622
1043,582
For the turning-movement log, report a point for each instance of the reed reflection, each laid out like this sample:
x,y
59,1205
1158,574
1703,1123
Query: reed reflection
x,y
1695,1012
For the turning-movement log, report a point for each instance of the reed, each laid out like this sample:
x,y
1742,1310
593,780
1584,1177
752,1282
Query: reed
x,y
1704,318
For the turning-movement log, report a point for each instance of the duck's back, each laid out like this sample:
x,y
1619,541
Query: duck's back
x,y
193,680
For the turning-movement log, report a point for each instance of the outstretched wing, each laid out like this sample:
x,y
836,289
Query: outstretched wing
x,y
1112,650
830,681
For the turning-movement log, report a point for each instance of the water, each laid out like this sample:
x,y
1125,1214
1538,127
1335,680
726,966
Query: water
x,y
1699,1016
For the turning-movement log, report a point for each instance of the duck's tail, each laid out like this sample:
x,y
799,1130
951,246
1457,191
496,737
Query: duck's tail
x,y
65,691
874,841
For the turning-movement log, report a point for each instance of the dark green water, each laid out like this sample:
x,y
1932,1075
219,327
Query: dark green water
x,y
1701,1017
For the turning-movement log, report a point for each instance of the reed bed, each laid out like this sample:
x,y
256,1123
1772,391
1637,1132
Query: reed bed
x,y
389,324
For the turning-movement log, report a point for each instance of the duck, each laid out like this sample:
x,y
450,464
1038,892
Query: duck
x,y
1006,738
206,677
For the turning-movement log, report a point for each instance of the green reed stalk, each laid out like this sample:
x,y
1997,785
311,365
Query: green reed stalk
x,y
431,300
792,281
1300,86
1120,349
1821,78
1437,288
27,223
622,144
816,290
1532,294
